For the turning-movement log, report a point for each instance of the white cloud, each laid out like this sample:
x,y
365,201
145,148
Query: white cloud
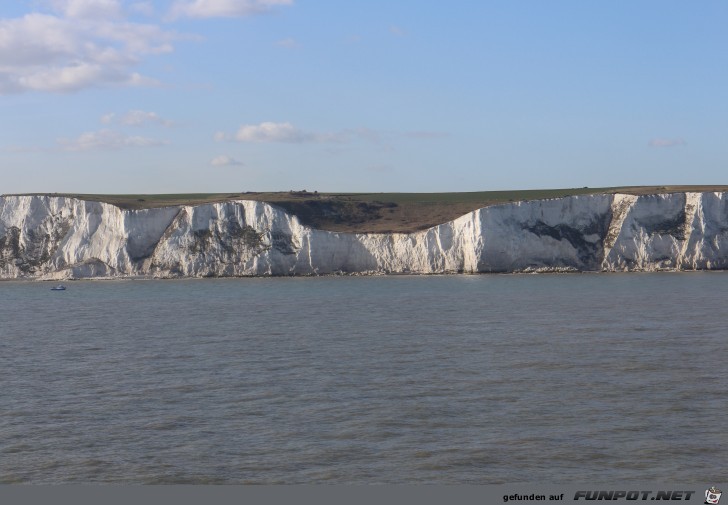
x,y
107,140
140,117
77,49
269,132
88,9
273,132
225,161
287,133
143,8
68,78
137,118
662,142
223,8
69,45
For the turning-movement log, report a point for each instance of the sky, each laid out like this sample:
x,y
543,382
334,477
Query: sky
x,y
188,96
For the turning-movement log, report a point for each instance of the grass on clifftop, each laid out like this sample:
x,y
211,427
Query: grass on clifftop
x,y
377,212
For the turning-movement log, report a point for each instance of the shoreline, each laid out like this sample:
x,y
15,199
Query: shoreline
x,y
368,275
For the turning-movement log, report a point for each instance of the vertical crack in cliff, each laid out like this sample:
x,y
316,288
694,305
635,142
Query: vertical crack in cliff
x,y
151,264
693,218
620,208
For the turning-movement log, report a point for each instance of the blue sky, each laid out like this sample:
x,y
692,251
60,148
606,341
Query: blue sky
x,y
114,96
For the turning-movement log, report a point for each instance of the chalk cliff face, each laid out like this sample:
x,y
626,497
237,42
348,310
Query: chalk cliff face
x,y
55,238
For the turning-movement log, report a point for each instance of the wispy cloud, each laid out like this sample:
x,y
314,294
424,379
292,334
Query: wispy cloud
x,y
275,132
88,9
225,161
287,133
107,140
137,118
425,134
288,43
272,132
108,118
663,142
397,31
222,8
143,8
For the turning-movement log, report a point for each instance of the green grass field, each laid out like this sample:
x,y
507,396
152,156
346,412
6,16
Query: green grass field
x,y
377,212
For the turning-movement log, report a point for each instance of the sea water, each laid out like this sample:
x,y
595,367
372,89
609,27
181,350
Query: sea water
x,y
409,379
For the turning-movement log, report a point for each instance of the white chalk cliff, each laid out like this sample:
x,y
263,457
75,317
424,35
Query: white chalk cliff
x,y
45,237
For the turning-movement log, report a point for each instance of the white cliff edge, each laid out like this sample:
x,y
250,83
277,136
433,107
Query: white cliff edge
x,y
44,237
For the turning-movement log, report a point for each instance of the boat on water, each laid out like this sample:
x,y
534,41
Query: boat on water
x,y
60,287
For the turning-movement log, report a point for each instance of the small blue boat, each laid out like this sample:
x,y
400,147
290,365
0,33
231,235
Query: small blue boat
x,y
60,287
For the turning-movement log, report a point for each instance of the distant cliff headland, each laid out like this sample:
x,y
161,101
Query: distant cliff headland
x,y
61,236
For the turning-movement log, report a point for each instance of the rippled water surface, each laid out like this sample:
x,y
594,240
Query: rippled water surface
x,y
445,379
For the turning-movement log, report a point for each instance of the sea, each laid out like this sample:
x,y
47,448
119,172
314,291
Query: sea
x,y
460,379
